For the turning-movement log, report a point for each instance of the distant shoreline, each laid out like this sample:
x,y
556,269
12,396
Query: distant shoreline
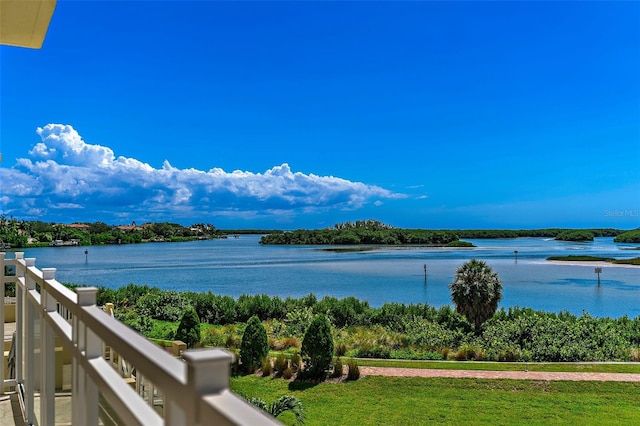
x,y
592,263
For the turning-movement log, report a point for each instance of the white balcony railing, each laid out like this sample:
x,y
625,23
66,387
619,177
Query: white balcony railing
x,y
50,319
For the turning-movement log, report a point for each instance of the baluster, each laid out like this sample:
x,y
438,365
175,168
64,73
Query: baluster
x,y
47,353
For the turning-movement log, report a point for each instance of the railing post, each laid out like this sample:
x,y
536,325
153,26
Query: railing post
x,y
47,353
29,339
2,291
21,310
208,372
89,344
77,389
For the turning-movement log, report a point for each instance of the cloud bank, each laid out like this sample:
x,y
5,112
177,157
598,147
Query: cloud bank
x,y
65,176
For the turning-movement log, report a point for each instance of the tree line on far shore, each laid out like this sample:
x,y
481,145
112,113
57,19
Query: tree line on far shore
x,y
375,232
16,233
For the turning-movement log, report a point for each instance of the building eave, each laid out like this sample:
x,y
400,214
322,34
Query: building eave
x,y
24,23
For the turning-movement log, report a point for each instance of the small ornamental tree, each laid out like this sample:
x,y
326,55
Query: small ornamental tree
x,y
317,348
189,328
476,291
255,344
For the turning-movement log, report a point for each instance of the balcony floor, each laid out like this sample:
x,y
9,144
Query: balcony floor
x,y
10,413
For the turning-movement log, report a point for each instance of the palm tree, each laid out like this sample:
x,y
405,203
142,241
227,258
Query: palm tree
x,y
476,291
280,405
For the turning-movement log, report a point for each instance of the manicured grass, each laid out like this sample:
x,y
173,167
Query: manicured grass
x,y
422,401
505,366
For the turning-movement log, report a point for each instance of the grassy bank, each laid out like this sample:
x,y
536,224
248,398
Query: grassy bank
x,y
421,401
574,258
506,366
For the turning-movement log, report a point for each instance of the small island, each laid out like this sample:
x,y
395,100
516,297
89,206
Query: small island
x,y
366,232
628,237
577,258
374,232
575,235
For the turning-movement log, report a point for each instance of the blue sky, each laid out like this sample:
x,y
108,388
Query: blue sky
x,y
304,114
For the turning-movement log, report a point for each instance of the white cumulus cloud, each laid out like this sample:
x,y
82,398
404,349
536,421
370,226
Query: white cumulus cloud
x,y
63,172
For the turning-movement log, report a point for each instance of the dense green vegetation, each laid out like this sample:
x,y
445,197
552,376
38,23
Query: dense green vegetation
x,y
539,233
549,367
317,348
427,401
19,233
628,237
189,328
578,258
375,232
459,243
286,403
255,346
361,232
575,235
416,331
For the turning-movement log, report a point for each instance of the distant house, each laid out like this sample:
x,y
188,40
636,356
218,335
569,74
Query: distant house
x,y
61,243
129,228
80,226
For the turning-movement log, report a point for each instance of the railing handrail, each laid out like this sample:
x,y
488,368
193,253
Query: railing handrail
x,y
192,388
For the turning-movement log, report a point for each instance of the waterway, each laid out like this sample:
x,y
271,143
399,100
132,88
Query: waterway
x,y
240,265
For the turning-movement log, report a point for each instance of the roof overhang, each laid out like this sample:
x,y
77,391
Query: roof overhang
x,y
24,23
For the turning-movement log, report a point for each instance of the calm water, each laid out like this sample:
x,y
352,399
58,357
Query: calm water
x,y
236,266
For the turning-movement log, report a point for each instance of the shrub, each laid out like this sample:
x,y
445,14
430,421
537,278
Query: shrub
x,y
634,355
444,352
374,352
143,325
296,360
189,328
281,364
167,305
284,343
341,349
287,373
254,346
233,341
162,330
468,352
283,404
267,368
337,367
235,363
291,342
409,354
431,335
297,321
261,305
354,370
317,347
509,355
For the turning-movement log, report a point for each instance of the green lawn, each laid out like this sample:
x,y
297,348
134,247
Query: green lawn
x,y
428,401
506,366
